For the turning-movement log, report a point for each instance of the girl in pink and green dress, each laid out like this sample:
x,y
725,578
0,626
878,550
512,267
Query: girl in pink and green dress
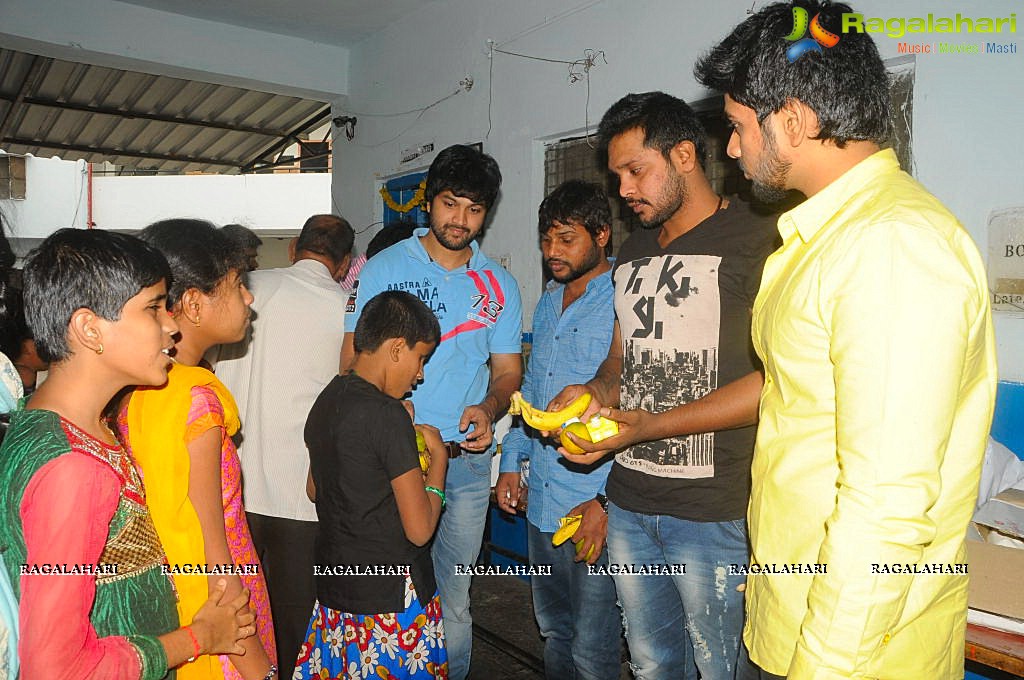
x,y
76,536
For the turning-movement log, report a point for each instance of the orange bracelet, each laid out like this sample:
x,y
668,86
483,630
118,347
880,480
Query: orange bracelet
x,y
195,644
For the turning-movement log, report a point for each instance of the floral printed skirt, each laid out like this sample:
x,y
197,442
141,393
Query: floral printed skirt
x,y
408,644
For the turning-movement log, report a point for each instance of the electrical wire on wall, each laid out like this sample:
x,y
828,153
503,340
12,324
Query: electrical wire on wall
x,y
464,86
82,182
579,69
369,226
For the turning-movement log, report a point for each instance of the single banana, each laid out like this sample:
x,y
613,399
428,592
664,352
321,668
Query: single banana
x,y
548,420
421,448
567,526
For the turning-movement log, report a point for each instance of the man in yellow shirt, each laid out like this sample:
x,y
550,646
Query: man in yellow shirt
x,y
874,327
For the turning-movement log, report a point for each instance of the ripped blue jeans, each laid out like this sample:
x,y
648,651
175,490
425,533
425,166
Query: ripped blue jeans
x,y
665,614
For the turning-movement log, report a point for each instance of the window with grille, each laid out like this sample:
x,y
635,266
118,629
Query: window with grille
x,y
314,156
575,159
12,178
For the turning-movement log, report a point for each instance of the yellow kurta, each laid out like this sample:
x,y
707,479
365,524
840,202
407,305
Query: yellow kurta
x,y
874,326
156,421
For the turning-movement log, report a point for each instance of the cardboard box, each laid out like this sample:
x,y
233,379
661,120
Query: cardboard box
x,y
995,584
1004,513
996,571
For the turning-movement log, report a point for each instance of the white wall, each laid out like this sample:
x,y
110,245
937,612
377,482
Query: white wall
x,y
264,203
968,145
56,196
967,140
122,35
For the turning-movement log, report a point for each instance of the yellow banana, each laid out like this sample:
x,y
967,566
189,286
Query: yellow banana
x,y
567,526
579,549
421,447
548,420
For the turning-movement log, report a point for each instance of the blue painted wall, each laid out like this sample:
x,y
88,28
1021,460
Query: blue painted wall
x,y
1008,423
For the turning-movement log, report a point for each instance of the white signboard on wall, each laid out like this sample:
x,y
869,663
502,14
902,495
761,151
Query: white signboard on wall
x,y
1006,260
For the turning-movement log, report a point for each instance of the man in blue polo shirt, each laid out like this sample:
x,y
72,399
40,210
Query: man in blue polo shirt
x,y
475,369
572,331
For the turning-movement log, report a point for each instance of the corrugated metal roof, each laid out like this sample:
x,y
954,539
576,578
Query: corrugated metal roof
x,y
143,122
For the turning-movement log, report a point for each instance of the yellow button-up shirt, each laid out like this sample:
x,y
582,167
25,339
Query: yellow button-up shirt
x,y
874,326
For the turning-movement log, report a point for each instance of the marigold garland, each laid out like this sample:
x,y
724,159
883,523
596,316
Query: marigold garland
x,y
411,204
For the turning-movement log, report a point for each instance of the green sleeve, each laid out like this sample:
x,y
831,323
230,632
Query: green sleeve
x,y
151,653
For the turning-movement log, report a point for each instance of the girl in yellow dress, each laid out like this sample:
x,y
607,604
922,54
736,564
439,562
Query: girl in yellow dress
x,y
181,436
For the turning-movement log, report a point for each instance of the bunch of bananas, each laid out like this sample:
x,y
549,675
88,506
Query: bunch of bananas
x,y
566,419
548,421
567,527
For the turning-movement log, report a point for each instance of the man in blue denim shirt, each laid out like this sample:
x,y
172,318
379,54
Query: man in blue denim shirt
x,y
572,330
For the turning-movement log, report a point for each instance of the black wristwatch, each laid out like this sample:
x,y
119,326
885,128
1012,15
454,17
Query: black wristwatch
x,y
603,501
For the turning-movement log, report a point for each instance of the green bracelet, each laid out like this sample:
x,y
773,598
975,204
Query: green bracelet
x,y
438,492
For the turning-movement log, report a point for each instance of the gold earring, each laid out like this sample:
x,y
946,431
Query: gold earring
x,y
99,350
196,322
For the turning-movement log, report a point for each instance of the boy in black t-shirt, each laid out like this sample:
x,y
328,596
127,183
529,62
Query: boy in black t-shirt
x,y
377,611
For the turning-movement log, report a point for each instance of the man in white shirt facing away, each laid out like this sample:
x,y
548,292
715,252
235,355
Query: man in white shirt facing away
x,y
275,375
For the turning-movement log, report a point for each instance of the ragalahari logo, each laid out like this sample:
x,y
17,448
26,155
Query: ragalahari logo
x,y
820,36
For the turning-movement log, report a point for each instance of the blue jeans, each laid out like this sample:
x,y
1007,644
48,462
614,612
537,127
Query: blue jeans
x,y
749,670
659,611
576,613
459,535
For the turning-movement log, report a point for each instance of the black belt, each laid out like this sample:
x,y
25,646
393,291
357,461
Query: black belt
x,y
455,450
